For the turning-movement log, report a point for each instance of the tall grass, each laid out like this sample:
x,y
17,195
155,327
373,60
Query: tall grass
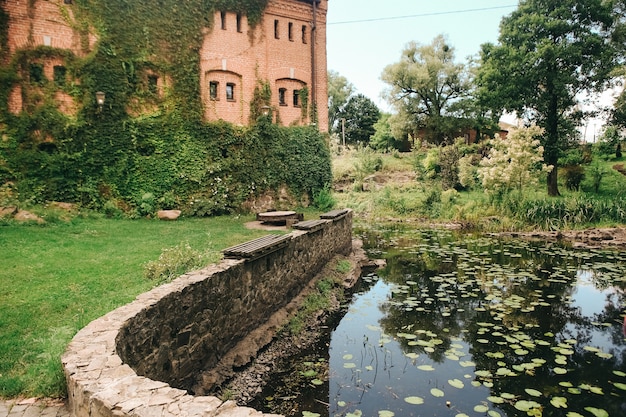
x,y
554,214
56,278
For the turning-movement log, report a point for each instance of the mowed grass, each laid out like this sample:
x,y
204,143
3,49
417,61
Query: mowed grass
x,y
56,278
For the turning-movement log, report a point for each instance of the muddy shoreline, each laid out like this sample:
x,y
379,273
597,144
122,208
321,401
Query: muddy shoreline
x,y
593,238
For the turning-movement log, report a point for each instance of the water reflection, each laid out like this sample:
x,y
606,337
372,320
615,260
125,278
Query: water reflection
x,y
457,325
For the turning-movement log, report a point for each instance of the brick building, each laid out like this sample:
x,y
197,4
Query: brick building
x,y
286,50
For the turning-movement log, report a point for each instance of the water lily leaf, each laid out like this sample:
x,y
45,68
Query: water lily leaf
x,y
604,355
574,390
341,403
349,365
310,414
619,373
507,395
461,415
493,413
482,341
412,355
591,349
559,402
466,364
481,408
414,400
560,371
619,385
596,390
426,368
436,392
347,356
369,368
456,383
496,400
476,383
533,392
565,384
574,414
373,328
385,413
317,381
309,373
524,405
597,412
483,373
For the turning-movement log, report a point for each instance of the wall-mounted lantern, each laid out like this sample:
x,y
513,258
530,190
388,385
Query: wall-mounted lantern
x,y
100,99
266,110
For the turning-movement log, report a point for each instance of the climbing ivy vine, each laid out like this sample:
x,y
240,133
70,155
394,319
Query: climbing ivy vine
x,y
168,157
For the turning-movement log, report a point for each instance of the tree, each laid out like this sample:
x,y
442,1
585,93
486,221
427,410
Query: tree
x,y
514,162
361,114
339,91
427,87
549,53
384,139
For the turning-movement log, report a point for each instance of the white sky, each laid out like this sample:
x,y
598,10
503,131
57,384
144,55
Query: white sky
x,y
379,31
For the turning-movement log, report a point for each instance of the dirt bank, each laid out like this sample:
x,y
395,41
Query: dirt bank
x,y
593,238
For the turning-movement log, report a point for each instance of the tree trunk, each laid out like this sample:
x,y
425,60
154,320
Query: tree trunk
x,y
551,148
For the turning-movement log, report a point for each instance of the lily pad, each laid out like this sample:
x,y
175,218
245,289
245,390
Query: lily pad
x,y
533,392
481,408
559,402
426,368
597,412
414,400
385,413
436,392
456,383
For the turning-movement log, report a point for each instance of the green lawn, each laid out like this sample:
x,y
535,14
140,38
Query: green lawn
x,y
56,278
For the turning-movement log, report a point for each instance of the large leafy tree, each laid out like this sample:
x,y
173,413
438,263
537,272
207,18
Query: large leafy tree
x,y
549,53
360,114
339,91
427,88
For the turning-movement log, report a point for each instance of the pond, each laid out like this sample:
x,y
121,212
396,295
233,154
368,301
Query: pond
x,y
461,325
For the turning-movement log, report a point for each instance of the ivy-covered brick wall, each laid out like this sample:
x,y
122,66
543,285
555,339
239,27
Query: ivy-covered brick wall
x,y
147,147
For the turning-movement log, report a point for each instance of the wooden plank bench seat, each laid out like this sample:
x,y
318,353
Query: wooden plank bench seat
x,y
256,248
310,225
334,214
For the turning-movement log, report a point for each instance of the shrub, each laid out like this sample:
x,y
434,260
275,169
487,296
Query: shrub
x,y
172,263
324,199
449,164
573,176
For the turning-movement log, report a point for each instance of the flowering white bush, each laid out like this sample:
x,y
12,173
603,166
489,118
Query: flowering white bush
x,y
513,162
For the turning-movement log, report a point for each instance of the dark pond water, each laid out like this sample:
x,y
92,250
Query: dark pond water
x,y
460,325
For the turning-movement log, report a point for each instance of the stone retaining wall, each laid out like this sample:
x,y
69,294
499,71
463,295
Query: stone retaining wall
x,y
143,359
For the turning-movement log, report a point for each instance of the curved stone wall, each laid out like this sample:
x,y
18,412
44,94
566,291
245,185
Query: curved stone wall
x,y
143,359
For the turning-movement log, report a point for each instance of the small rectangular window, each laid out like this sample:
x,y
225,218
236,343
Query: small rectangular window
x,y
223,20
230,92
304,34
239,22
213,90
36,73
276,32
296,98
290,31
59,74
153,84
282,93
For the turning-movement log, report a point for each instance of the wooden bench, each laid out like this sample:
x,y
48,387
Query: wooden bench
x,y
310,225
334,214
256,248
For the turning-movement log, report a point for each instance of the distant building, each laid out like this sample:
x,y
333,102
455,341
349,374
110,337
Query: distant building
x,y
286,50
